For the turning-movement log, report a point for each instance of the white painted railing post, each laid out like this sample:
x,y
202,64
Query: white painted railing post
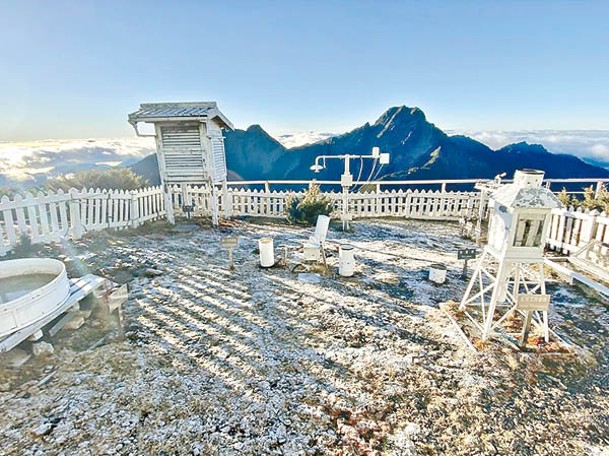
x,y
214,205
169,204
75,222
480,217
588,227
599,189
562,221
134,215
227,201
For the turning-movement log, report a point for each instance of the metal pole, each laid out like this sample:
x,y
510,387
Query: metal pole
x,y
345,211
525,330
480,216
231,262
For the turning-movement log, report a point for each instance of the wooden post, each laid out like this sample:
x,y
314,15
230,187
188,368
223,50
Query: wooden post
x,y
168,204
134,216
525,330
227,201
231,261
75,222
214,205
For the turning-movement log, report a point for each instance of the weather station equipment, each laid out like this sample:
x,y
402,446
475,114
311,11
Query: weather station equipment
x,y
189,147
509,276
346,179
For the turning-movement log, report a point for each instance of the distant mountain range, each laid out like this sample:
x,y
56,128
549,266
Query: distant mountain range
x,y
419,150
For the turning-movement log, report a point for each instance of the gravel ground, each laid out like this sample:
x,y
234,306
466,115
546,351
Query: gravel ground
x,y
254,361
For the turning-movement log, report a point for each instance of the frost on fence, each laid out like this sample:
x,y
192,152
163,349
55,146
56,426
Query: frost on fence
x,y
55,216
572,228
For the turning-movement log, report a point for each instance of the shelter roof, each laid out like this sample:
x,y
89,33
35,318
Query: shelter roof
x,y
513,195
157,112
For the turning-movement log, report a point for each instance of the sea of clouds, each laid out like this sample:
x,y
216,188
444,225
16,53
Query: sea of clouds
x,y
31,162
300,138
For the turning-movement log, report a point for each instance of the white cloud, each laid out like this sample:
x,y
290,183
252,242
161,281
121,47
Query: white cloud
x,y
300,138
600,150
21,160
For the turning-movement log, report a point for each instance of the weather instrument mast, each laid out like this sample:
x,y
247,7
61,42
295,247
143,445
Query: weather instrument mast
x,y
346,179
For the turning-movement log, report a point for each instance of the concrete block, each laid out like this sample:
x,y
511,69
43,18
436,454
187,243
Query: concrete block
x,y
36,336
42,349
74,323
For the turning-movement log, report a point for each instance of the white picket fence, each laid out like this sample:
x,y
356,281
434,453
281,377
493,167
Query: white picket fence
x,y
571,229
47,217
415,204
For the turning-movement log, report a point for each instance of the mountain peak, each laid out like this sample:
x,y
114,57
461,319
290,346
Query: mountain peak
x,y
401,115
256,128
525,147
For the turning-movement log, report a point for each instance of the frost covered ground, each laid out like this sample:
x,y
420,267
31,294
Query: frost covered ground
x,y
257,362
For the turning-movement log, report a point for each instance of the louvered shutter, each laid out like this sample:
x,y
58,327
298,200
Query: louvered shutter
x,y
218,156
183,154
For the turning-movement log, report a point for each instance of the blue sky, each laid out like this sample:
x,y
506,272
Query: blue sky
x,y
75,69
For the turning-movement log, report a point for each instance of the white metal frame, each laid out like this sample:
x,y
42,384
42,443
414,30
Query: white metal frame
x,y
494,288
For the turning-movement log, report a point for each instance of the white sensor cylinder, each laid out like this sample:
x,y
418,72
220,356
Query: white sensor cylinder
x,y
267,254
437,273
346,260
528,177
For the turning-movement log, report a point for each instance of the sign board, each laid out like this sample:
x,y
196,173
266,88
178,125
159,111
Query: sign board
x,y
466,254
531,302
188,207
230,242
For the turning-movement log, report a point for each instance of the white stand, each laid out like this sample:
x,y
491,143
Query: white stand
x,y
494,288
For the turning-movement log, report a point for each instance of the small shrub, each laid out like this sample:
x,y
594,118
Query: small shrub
x,y
566,199
591,200
305,209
